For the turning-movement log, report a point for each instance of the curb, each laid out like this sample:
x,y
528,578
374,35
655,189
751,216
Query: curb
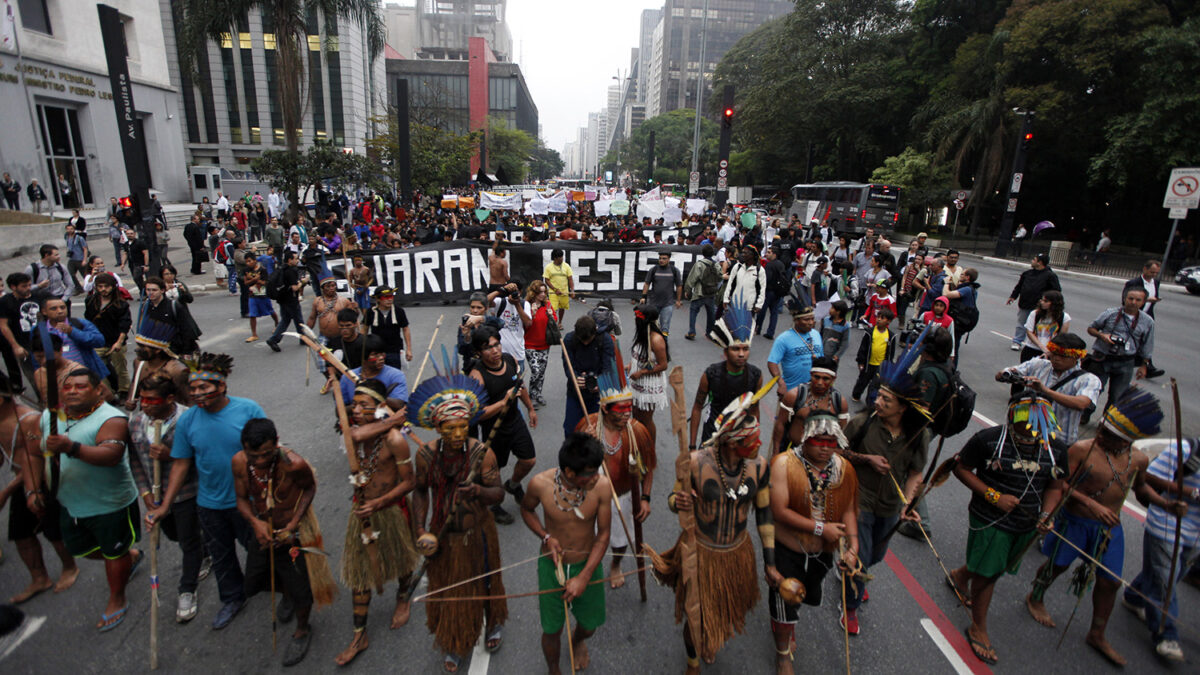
x,y
1069,273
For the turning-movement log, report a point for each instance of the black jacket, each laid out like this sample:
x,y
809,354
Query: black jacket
x,y
864,348
111,321
1032,284
193,233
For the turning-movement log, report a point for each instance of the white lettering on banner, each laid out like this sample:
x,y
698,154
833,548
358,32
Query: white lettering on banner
x,y
456,259
579,262
398,266
608,262
426,266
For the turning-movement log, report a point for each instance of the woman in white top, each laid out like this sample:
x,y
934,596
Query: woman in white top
x,y
95,265
648,379
1048,320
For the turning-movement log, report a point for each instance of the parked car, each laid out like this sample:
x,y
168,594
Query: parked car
x,y
1190,278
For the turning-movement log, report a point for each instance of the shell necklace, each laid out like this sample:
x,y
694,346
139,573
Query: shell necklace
x,y
567,499
739,490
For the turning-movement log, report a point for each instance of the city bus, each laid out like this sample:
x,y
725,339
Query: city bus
x,y
847,206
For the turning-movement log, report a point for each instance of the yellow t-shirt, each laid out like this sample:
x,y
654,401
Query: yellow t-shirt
x,y
879,341
557,276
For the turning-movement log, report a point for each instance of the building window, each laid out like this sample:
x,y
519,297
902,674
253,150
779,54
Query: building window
x,y
35,15
272,74
231,92
333,60
248,80
66,158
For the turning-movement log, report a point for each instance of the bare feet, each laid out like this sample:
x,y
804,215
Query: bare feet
x,y
582,658
67,580
783,665
31,590
400,616
693,669
359,644
1106,650
1038,611
616,579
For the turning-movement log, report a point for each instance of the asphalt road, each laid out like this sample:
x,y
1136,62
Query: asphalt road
x,y
911,625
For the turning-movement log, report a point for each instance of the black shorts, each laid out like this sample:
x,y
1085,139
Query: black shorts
x,y
109,534
511,440
291,576
809,569
22,524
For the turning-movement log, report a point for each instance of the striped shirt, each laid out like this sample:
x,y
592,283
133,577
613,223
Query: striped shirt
x,y
1159,522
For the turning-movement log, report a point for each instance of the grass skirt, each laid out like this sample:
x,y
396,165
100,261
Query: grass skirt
x,y
456,624
728,583
397,556
320,576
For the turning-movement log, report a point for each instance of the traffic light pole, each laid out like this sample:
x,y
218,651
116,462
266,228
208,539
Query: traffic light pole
x,y
722,195
1014,184
133,142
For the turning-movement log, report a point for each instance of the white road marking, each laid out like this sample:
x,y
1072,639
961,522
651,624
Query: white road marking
x,y
1136,509
943,644
1001,335
983,419
480,658
208,341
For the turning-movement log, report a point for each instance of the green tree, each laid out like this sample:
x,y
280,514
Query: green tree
x,y
438,157
509,150
300,174
923,181
546,163
198,21
673,135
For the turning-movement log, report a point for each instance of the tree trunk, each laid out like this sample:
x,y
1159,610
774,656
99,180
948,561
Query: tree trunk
x,y
288,38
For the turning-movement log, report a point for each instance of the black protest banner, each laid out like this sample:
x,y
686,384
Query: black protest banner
x,y
452,270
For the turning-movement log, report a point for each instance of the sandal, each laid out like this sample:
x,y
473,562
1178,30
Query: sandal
x,y
980,649
496,635
451,663
252,338
116,618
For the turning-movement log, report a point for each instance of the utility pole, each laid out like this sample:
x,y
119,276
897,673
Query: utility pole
x,y
723,148
1014,185
699,96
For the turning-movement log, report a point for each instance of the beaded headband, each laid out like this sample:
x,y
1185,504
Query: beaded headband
x,y
1063,351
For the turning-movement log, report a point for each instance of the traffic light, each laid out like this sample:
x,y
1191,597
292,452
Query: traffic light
x,y
128,211
727,117
1026,140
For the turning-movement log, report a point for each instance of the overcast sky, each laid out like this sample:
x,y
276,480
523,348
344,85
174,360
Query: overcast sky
x,y
570,52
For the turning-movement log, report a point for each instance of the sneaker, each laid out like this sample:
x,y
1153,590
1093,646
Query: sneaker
x,y
205,568
1138,610
689,336
1156,372
274,346
1169,650
186,610
503,517
849,621
768,337
226,613
1015,347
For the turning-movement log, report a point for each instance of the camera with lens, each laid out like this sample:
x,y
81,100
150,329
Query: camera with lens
x,y
590,383
1118,342
912,330
1011,377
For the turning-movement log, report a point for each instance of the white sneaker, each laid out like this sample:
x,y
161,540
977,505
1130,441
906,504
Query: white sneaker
x,y
1015,347
1170,650
1139,612
186,611
205,568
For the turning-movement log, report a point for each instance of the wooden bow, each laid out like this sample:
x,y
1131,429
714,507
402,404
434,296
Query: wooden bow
x,y
1179,495
689,567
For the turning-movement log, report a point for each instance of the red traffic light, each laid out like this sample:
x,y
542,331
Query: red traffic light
x,y
125,202
728,113
1029,136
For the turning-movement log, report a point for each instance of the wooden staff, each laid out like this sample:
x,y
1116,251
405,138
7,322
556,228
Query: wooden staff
x,y
1179,495
428,351
156,491
133,386
592,429
271,552
562,579
51,364
368,530
689,567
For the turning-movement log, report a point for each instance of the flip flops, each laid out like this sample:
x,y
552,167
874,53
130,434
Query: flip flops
x,y
116,618
496,634
451,663
980,649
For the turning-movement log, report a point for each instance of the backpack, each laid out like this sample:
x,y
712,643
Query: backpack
x,y
275,284
222,253
965,318
710,278
955,414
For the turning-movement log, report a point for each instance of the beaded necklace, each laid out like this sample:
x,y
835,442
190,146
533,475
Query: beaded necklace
x,y
565,495
740,489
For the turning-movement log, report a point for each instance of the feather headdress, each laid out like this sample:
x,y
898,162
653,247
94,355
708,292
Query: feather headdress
x,y
154,333
896,376
612,382
1136,414
734,422
447,395
736,325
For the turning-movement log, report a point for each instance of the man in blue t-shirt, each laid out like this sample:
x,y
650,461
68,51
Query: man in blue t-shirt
x,y
792,354
374,367
208,435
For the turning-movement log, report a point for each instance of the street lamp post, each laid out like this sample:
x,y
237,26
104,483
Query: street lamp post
x,y
699,97
1014,184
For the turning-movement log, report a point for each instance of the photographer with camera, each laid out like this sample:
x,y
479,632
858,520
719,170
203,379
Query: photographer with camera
x,y
1058,378
590,354
1124,343
509,307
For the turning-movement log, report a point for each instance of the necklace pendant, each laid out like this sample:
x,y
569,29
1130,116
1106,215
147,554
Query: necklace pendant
x,y
743,489
731,494
578,513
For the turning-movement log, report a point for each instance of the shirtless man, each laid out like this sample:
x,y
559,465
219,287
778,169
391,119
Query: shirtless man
x,y
263,465
727,479
497,267
1092,517
457,480
360,283
797,404
36,513
575,499
153,339
383,460
325,307
814,501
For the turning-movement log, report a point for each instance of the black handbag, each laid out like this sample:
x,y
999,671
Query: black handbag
x,y
553,332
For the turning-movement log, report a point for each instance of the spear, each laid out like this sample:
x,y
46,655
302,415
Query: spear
x,y
428,350
689,567
156,491
1179,492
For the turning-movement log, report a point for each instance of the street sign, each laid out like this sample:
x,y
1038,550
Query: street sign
x,y
959,204
1016,183
722,183
1012,204
693,182
721,173
724,164
1183,190
961,195
1178,213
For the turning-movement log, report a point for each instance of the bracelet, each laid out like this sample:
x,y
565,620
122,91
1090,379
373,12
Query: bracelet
x,y
1044,515
1195,494
645,497
74,450
992,496
144,493
691,447
819,528
545,538
30,493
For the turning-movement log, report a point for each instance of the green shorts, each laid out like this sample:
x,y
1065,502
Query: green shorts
x,y
990,549
110,534
587,608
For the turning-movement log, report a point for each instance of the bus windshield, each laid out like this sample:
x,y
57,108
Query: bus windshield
x,y
847,206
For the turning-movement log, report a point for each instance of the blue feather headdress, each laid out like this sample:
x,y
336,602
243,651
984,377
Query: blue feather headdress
x,y
612,383
736,325
1136,414
447,395
896,376
154,333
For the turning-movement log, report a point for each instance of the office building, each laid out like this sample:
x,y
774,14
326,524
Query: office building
x,y
58,93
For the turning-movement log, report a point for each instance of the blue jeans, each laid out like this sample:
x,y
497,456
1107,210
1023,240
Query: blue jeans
x,y
871,550
773,304
1152,581
664,317
1019,332
1117,374
288,311
233,285
223,528
709,305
